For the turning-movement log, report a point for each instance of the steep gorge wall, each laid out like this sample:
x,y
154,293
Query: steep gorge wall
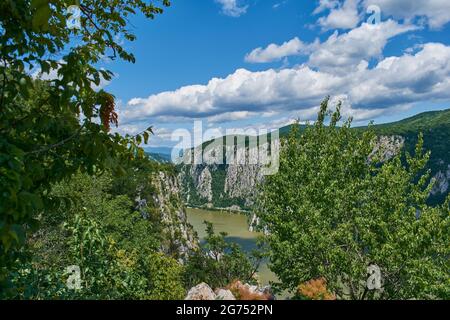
x,y
226,186
179,238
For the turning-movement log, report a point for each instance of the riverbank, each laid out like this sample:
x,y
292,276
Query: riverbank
x,y
233,209
236,227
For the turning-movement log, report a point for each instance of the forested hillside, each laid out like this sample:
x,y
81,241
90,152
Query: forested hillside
x,y
227,186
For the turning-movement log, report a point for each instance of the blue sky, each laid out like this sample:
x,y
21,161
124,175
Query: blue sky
x,y
200,61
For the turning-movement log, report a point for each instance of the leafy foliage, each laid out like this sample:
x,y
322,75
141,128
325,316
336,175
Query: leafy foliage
x,y
42,139
115,247
166,278
435,127
219,263
331,213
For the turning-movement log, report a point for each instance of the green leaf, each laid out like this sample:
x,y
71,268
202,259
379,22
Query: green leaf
x,y
138,139
146,136
41,18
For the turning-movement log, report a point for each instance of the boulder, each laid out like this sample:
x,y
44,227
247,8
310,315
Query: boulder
x,y
201,292
223,294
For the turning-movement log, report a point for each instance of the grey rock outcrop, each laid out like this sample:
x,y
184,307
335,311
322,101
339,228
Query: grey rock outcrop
x,y
179,236
387,147
241,180
246,291
201,292
204,180
442,182
223,294
216,185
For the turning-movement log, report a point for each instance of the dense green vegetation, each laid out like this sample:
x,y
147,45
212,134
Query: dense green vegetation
x,y
123,252
97,228
220,263
331,214
43,138
68,185
435,127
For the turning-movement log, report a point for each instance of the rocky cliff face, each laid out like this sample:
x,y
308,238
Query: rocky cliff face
x,y
220,186
179,237
236,291
203,180
442,182
241,180
388,147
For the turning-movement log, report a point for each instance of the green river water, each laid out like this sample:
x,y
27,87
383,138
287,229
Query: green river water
x,y
236,226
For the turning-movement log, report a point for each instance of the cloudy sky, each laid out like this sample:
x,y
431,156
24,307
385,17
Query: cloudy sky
x,y
264,63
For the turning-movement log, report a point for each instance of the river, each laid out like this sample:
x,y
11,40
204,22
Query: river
x,y
236,226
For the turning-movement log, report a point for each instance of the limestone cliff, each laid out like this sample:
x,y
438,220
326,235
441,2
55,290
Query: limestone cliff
x,y
241,180
442,182
387,147
178,235
219,186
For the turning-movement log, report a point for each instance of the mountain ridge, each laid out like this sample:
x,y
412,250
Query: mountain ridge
x,y
225,186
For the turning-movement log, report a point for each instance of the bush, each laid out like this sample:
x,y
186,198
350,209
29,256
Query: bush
x,y
219,263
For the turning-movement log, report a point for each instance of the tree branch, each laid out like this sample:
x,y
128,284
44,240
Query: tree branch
x,y
56,145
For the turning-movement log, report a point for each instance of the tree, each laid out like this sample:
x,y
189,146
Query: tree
x,y
333,210
115,247
165,276
43,139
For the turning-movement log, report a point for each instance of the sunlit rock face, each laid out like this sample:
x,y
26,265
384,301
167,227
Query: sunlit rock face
x,y
201,292
223,294
214,181
241,181
178,235
387,147
442,183
235,291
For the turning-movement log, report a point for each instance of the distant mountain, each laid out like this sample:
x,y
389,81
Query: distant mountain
x,y
233,186
159,154
159,150
435,127
158,157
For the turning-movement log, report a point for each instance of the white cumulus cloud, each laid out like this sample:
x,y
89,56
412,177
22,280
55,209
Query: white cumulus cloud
x,y
436,12
348,50
393,82
232,8
345,14
339,51
274,52
342,15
